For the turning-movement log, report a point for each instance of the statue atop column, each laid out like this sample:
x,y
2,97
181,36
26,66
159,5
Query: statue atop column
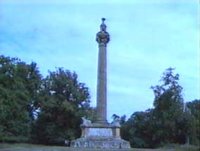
x,y
103,36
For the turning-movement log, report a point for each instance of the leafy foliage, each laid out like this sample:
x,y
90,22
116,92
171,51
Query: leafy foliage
x,y
49,110
18,89
168,122
63,102
168,110
45,110
139,129
193,109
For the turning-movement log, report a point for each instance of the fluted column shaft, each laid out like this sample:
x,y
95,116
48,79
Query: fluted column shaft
x,y
102,39
102,85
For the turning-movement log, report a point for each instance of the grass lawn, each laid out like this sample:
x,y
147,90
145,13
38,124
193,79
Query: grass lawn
x,y
31,147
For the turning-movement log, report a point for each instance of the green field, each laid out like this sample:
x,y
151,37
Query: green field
x,y
30,147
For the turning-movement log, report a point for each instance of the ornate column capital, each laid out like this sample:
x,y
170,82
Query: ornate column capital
x,y
103,36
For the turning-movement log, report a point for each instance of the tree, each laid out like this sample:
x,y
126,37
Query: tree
x,y
19,83
63,101
168,122
168,111
138,130
193,109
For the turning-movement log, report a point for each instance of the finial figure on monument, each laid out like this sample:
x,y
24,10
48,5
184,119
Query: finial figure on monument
x,y
103,36
103,25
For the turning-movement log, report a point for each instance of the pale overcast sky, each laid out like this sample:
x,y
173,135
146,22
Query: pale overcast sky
x,y
147,36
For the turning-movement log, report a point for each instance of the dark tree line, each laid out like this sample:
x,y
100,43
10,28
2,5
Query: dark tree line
x,y
48,110
40,110
170,121
19,83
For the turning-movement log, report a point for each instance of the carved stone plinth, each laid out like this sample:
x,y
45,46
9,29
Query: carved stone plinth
x,y
100,136
103,143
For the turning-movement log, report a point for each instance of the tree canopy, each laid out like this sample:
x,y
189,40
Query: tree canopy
x,y
42,110
63,102
48,110
168,122
19,83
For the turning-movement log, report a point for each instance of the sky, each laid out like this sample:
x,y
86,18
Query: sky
x,y
147,37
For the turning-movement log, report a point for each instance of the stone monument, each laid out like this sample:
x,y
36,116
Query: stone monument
x,y
101,134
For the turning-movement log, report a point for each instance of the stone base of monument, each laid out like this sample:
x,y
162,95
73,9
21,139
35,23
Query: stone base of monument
x,y
100,136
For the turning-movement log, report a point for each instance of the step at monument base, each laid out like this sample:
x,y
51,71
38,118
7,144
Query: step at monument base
x,y
100,136
111,143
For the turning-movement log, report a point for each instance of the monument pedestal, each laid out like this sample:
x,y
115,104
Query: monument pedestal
x,y
100,136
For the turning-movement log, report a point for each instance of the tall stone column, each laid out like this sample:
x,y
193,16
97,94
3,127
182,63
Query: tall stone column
x,y
101,134
102,39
